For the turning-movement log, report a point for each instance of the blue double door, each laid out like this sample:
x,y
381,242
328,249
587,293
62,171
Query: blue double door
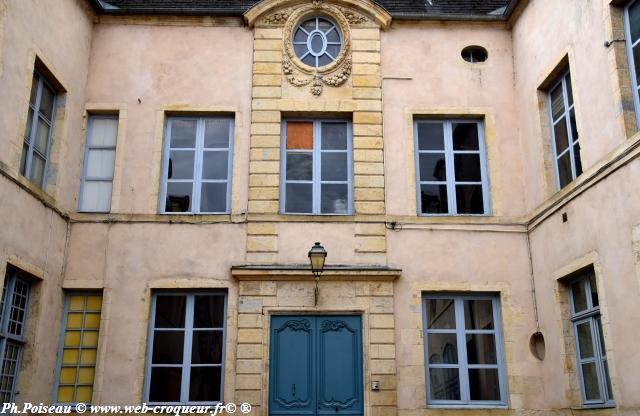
x,y
316,365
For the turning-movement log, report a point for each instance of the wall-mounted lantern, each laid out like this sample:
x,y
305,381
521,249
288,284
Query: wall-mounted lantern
x,y
317,255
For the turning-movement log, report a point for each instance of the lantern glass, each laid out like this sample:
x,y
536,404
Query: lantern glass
x,y
317,255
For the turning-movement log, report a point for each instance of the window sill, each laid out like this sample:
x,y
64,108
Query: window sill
x,y
608,405
468,406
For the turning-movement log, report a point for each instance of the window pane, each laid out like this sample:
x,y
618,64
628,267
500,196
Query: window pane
x,y
23,159
178,196
334,199
42,136
441,314
37,169
590,380
300,36
206,347
34,89
27,131
299,166
585,341
216,133
430,136
434,199
603,350
46,102
607,380
564,170
432,167
168,347
299,198
104,131
170,311
96,196
444,383
205,383
478,314
213,197
579,296
634,21
9,371
574,128
594,289
469,199
560,135
165,384
484,384
557,102
465,136
334,136
334,166
481,349
567,79
300,135
467,167
183,133
208,312
181,164
442,349
100,163
215,165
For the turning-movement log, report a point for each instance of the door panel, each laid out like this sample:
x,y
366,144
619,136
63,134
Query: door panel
x,y
292,366
339,365
316,366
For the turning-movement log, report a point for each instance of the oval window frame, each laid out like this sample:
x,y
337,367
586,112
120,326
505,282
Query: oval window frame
x,y
478,50
325,40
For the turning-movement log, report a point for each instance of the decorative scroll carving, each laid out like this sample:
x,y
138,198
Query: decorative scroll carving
x,y
301,325
278,18
353,17
333,326
334,74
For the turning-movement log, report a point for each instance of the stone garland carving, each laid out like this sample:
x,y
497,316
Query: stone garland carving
x,y
353,17
334,74
278,18
301,325
333,326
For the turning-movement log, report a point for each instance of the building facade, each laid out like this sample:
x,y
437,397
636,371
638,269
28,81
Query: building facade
x,y
471,169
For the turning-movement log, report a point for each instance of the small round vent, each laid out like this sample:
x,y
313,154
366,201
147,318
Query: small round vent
x,y
474,54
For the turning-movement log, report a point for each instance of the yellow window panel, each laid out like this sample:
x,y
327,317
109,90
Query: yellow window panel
x,y
68,375
70,356
76,303
84,394
72,339
94,303
88,357
92,321
74,320
85,376
90,339
65,394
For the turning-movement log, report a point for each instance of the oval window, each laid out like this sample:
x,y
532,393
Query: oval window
x,y
317,41
474,54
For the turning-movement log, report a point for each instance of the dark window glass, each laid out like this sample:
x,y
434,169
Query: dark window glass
x,y
168,347
215,165
434,199
469,199
433,167
183,133
334,199
334,166
441,314
478,314
465,136
204,385
634,21
170,311
467,167
179,196
481,349
299,198
430,136
208,312
484,384
300,167
444,383
213,197
442,349
206,347
165,384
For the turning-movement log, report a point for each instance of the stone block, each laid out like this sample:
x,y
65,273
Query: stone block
x,y
262,243
264,166
265,128
266,92
268,141
371,244
247,305
381,321
367,117
372,142
270,153
263,207
381,336
365,228
368,155
261,228
369,207
248,382
249,320
250,351
369,194
267,56
244,366
383,367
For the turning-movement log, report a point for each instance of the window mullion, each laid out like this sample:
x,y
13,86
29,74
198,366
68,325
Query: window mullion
x,y
197,161
463,372
448,155
8,301
186,354
152,324
567,121
34,126
595,340
164,180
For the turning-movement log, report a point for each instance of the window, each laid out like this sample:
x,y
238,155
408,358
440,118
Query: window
x,y
13,321
316,167
317,41
197,165
474,54
99,162
451,168
185,362
37,136
566,149
632,36
463,351
593,369
78,348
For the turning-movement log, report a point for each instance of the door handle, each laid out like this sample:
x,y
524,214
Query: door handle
x,y
293,390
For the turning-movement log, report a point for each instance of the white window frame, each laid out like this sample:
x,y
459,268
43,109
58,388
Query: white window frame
x,y
590,315
566,118
85,166
35,107
317,166
197,164
449,163
465,402
188,342
635,87
13,277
